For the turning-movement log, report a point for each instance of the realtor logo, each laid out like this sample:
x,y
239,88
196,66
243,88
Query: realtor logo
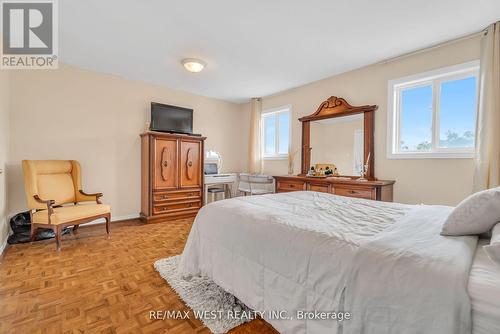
x,y
29,34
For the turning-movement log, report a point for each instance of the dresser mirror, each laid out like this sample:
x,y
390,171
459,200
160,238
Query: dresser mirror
x,y
338,139
337,145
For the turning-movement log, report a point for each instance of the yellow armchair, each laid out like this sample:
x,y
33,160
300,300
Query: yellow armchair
x,y
55,197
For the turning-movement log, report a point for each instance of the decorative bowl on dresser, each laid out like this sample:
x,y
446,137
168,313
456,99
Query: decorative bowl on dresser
x,y
171,176
337,111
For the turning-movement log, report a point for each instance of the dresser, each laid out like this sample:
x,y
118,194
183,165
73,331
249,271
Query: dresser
x,y
379,190
171,176
339,137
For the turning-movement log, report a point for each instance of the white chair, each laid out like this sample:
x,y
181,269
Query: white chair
x,y
254,184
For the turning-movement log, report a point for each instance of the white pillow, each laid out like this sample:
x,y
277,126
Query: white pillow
x,y
476,214
493,249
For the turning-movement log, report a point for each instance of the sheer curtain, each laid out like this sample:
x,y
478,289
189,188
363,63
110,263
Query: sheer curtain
x,y
487,159
255,162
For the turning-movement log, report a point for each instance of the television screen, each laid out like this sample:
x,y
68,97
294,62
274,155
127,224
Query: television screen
x,y
171,119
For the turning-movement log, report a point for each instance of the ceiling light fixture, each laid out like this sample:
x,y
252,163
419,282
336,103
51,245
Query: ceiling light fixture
x,y
193,65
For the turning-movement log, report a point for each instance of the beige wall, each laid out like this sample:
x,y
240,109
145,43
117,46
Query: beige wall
x,y
96,118
4,148
432,181
71,113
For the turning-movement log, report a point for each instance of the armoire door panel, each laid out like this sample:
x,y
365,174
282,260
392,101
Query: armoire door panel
x,y
165,163
190,164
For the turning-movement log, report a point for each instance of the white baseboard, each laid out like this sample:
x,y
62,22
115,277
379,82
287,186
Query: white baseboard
x,y
3,244
125,217
114,219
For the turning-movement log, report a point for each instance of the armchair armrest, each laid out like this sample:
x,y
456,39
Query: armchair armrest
x,y
49,203
93,197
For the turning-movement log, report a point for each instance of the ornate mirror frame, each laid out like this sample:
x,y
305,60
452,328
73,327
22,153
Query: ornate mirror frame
x,y
338,107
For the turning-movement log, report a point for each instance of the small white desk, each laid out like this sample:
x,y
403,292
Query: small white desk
x,y
227,180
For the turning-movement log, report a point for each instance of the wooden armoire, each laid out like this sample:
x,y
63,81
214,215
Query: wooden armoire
x,y
172,176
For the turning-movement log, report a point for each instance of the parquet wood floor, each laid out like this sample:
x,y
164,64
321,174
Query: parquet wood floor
x,y
95,285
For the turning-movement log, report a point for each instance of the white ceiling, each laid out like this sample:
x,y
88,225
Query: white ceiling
x,y
259,47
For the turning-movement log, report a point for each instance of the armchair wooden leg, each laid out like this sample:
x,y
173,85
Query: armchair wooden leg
x,y
33,232
108,220
57,231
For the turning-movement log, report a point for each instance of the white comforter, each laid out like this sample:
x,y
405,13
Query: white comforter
x,y
385,263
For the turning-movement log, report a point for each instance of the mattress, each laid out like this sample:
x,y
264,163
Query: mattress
x,y
484,292
309,251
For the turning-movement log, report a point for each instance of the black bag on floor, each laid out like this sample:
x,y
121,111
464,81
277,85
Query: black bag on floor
x,y
21,228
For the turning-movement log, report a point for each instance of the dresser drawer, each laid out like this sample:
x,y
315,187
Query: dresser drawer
x,y
290,185
318,187
368,193
176,207
177,195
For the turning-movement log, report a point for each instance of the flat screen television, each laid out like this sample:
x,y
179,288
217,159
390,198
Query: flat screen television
x,y
166,118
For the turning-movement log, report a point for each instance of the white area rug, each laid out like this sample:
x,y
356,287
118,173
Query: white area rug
x,y
202,294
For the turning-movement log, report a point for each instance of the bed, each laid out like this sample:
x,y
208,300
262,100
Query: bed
x,y
484,292
384,263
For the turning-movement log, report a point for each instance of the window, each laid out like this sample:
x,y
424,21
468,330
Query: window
x,y
433,114
275,126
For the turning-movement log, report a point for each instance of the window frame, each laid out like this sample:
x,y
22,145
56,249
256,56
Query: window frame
x,y
433,78
275,112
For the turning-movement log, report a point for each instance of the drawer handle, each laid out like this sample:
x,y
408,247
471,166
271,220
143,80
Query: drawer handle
x,y
352,192
190,194
165,156
292,185
164,197
190,204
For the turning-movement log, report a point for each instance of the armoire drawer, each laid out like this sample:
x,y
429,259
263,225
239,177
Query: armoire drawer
x,y
367,193
176,195
175,207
